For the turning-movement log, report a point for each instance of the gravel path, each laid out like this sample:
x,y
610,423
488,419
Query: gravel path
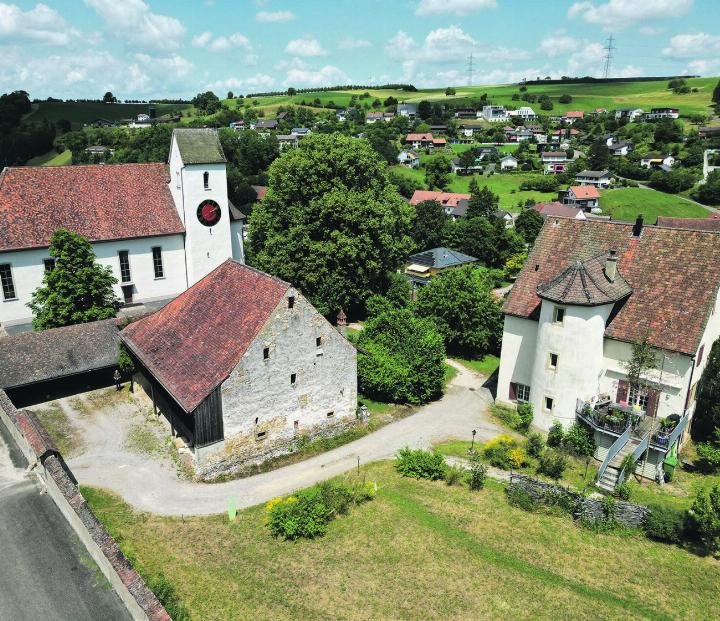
x,y
151,484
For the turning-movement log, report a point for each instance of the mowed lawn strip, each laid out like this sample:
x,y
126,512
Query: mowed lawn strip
x,y
420,550
628,203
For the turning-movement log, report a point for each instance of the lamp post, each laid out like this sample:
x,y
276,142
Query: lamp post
x,y
471,450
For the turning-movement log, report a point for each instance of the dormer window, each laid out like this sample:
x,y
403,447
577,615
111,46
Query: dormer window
x,y
206,180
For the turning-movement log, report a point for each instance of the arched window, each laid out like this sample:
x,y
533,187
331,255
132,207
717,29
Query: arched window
x,y
206,179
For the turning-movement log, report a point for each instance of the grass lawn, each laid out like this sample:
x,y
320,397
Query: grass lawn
x,y
627,203
52,158
66,436
420,550
505,185
487,365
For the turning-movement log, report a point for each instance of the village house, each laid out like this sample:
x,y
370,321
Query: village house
x,y
628,113
524,112
454,203
341,115
709,132
573,115
662,113
288,141
407,109
554,208
554,161
409,158
609,140
657,160
711,162
424,266
494,114
508,162
424,141
620,149
458,169
300,132
242,366
264,124
159,228
585,197
598,178
374,117
588,292
517,134
466,113
709,223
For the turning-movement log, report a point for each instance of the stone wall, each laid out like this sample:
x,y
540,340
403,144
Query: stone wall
x,y
39,449
590,510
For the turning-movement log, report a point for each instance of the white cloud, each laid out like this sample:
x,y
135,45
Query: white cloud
x,y
456,7
651,31
39,25
702,66
305,46
224,44
619,14
133,21
692,45
260,81
275,16
301,74
348,43
202,39
559,44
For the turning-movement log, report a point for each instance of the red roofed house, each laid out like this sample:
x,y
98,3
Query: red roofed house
x,y
558,209
420,141
160,228
585,197
450,201
587,292
573,115
242,365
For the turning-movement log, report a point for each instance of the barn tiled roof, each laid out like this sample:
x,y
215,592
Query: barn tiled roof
x,y
584,191
32,357
103,203
450,199
441,258
584,283
674,274
193,343
199,146
711,223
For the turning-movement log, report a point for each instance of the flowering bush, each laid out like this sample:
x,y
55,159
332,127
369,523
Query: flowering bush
x,y
505,452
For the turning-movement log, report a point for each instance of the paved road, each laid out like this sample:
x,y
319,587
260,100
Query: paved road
x,y
45,572
152,486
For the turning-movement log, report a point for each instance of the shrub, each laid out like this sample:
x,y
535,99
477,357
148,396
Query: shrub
x,y
302,515
556,434
622,491
420,464
170,600
579,440
525,412
505,452
518,497
453,475
627,466
337,498
552,464
708,457
476,474
704,517
535,444
664,523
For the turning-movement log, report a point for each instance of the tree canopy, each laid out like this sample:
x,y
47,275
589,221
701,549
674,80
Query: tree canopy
x,y
77,289
331,223
431,224
528,224
707,410
437,172
461,305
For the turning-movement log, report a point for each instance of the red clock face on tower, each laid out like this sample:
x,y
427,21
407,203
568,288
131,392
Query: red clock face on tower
x,y
208,213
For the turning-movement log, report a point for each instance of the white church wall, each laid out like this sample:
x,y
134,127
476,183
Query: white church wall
x,y
28,270
238,249
517,355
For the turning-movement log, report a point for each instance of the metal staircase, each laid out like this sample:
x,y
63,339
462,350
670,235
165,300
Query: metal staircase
x,y
632,442
611,474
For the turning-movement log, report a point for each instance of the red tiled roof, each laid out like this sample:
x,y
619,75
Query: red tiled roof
x,y
711,223
102,202
416,137
674,274
557,209
260,190
193,343
574,114
439,141
449,199
584,191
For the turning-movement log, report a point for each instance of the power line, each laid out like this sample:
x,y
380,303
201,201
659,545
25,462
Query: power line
x,y
470,69
609,49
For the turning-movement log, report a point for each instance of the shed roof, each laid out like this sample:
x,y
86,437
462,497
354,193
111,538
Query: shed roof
x,y
584,191
193,343
199,146
442,257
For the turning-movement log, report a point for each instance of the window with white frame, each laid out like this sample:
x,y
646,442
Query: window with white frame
x,y
638,396
558,314
522,393
158,262
6,280
124,258
549,403
553,361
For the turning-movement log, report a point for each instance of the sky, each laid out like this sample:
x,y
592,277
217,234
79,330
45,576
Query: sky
x,y
141,49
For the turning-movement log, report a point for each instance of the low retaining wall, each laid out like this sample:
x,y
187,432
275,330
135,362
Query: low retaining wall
x,y
39,449
591,510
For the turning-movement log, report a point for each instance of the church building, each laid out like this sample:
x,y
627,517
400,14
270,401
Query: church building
x,y
159,227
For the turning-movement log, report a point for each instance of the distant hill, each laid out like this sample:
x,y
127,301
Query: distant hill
x,y
81,113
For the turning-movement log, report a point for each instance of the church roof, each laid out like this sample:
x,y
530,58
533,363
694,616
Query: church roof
x,y
193,343
102,202
674,274
199,146
584,283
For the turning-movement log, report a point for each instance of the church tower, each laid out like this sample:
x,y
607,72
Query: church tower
x,y
198,183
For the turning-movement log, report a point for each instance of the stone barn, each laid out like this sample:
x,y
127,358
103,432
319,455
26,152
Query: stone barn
x,y
242,365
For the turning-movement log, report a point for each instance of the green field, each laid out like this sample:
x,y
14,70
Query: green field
x,y
420,550
81,113
586,97
506,185
51,158
627,203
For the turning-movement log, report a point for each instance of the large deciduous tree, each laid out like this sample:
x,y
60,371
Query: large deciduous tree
x,y
437,172
77,289
707,410
482,203
528,224
331,223
489,242
461,304
430,225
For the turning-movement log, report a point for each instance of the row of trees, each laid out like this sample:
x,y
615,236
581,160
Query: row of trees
x,y
21,140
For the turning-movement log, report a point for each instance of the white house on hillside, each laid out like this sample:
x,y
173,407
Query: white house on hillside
x,y
588,291
160,228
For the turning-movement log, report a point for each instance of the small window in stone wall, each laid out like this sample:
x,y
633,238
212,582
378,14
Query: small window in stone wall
x,y
291,301
256,420
330,414
293,379
266,353
318,341
261,435
296,425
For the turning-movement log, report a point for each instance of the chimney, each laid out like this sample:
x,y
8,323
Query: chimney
x,y
611,266
638,226
342,322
